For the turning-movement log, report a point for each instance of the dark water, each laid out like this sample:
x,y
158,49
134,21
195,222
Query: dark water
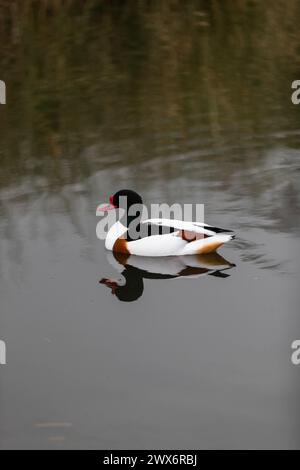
x,y
183,103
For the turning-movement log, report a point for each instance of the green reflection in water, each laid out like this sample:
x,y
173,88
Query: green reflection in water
x,y
201,87
142,79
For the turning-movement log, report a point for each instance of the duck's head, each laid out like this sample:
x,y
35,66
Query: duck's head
x,y
127,197
124,199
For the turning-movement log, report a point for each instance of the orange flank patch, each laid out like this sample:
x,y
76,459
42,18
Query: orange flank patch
x,y
189,236
209,247
120,246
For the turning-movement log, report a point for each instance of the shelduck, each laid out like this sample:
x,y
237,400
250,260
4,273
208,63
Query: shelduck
x,y
183,238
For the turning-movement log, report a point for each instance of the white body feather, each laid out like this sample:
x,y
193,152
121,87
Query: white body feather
x,y
171,244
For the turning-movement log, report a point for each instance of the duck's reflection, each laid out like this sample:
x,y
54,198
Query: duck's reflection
x,y
134,269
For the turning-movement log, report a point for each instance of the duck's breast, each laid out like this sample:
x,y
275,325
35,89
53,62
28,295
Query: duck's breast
x,y
115,233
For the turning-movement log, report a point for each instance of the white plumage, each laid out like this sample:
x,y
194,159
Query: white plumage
x,y
186,238
170,244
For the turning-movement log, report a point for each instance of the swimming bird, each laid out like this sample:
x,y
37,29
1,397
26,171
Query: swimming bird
x,y
131,235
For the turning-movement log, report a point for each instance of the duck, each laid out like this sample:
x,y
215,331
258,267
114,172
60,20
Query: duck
x,y
133,270
157,237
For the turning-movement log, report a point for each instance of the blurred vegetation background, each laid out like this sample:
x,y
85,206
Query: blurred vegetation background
x,y
141,79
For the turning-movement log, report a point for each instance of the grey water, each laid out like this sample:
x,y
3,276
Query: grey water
x,y
182,103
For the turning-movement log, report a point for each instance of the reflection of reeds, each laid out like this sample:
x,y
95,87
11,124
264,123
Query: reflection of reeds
x,y
140,79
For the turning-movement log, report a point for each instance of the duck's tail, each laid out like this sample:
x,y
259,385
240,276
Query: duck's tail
x,y
207,245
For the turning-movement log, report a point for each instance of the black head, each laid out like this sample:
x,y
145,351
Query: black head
x,y
130,204
125,198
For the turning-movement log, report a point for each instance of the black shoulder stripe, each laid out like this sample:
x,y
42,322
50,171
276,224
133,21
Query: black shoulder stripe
x,y
218,229
147,230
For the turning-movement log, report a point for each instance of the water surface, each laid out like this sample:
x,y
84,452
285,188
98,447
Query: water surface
x,y
183,103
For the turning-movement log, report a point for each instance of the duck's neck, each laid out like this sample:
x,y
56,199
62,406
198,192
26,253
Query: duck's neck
x,y
116,231
132,223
